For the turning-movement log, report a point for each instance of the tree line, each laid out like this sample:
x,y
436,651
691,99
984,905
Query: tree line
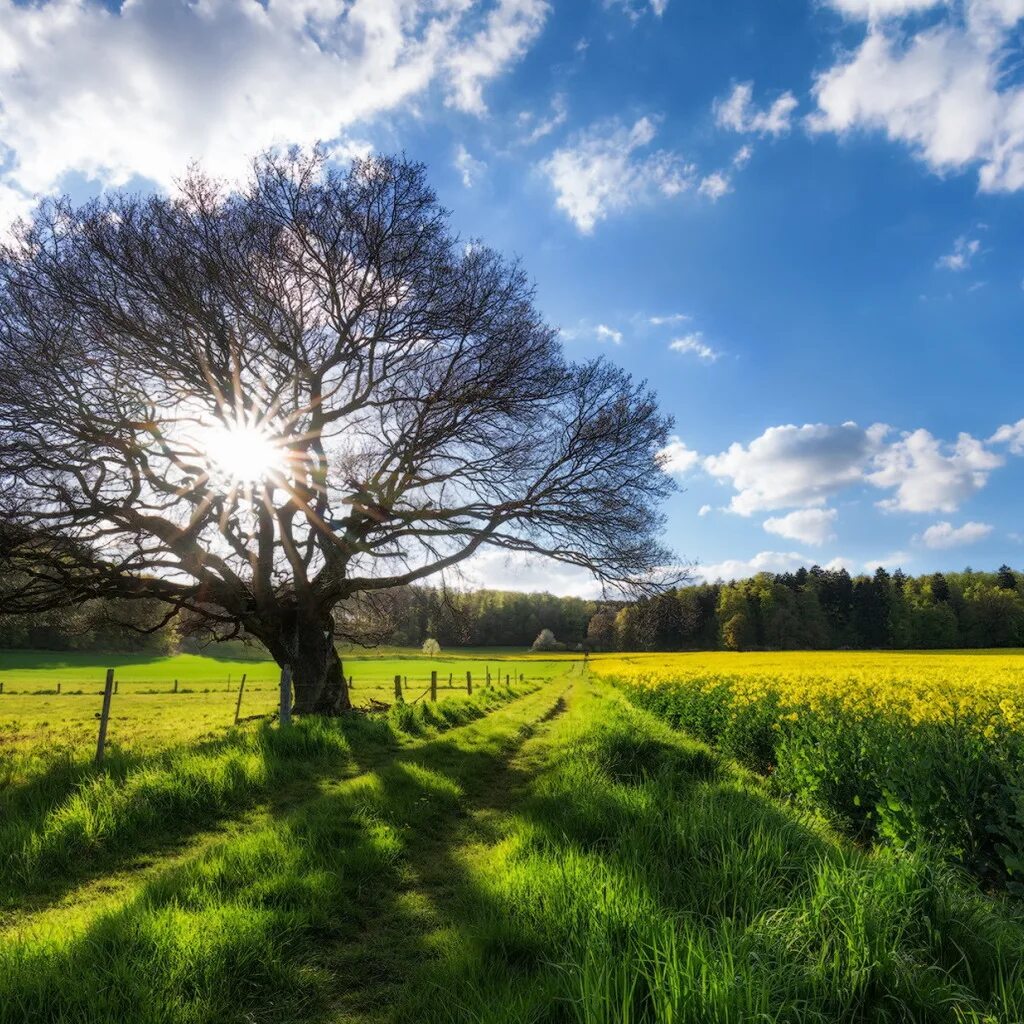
x,y
810,609
823,609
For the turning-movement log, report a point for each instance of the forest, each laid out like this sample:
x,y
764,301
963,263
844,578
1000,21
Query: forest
x,y
810,609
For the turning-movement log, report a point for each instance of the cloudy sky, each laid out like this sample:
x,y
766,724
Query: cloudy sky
x,y
801,220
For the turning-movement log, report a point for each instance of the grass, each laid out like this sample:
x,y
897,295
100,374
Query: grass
x,y
560,857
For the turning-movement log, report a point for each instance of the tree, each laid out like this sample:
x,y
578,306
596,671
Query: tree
x,y
601,630
546,642
1006,578
261,405
431,646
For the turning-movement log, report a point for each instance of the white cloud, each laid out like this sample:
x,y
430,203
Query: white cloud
x,y
742,157
670,318
145,88
738,113
535,128
704,510
507,32
878,9
635,9
599,172
808,525
945,89
1011,434
930,476
964,250
695,344
763,561
790,466
946,535
675,457
801,467
470,169
501,570
714,186
891,561
606,333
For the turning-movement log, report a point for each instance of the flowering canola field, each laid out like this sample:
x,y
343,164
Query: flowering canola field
x,y
923,686
920,751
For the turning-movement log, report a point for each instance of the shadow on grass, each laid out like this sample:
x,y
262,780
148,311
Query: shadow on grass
x,y
457,883
73,822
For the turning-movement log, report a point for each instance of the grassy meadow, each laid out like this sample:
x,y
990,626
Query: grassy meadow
x,y
651,839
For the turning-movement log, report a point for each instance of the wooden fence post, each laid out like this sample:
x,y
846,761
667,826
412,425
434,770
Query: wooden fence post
x,y
508,685
175,690
238,703
451,676
108,689
115,686
433,685
58,687
1,686
286,695
398,690
469,681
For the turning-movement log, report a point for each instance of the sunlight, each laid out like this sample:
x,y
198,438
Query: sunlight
x,y
242,453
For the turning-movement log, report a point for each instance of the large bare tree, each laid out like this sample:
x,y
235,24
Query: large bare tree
x,y
262,404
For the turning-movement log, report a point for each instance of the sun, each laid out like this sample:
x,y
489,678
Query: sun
x,y
241,453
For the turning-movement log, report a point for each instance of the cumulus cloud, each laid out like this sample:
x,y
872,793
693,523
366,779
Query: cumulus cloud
x,y
790,466
143,89
742,156
704,510
715,185
738,113
470,169
876,10
669,318
502,570
946,535
808,525
964,250
801,467
606,333
944,89
1012,435
676,458
763,561
930,476
694,343
600,172
507,32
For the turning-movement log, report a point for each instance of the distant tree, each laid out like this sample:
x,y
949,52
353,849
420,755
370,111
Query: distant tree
x,y
601,631
546,642
738,632
940,588
1006,578
257,405
431,646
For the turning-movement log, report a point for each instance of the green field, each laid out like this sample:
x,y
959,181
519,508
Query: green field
x,y
551,855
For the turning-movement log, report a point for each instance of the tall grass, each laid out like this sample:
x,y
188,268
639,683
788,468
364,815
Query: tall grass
x,y
953,785
68,819
644,880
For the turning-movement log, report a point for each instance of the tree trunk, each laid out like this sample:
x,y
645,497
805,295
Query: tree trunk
x,y
320,686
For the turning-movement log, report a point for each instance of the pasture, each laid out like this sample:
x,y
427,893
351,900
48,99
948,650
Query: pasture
x,y
650,839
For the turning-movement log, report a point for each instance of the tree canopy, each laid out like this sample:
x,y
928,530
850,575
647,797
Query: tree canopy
x,y
260,405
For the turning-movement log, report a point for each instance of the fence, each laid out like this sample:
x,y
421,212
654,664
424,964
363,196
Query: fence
x,y
401,688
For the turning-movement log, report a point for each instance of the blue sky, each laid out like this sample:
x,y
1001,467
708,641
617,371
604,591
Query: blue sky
x,y
802,221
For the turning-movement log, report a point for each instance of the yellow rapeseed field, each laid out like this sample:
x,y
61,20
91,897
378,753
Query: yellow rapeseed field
x,y
926,686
